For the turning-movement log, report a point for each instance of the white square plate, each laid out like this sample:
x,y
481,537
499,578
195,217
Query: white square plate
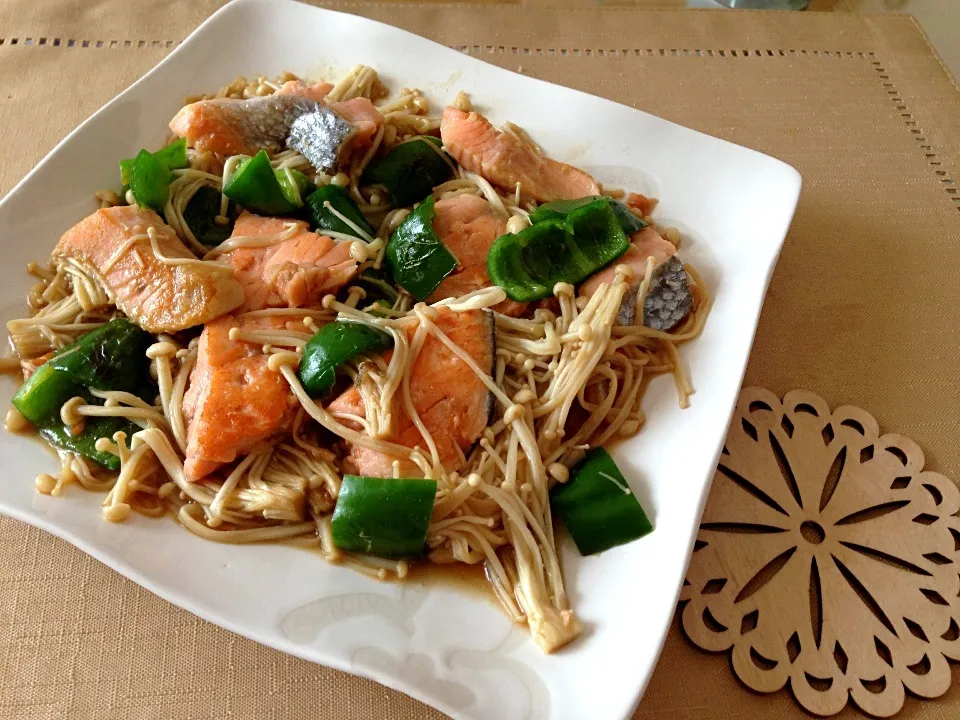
x,y
455,651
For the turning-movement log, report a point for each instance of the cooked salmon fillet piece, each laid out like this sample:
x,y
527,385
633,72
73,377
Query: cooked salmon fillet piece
x,y
231,126
641,203
364,116
317,92
160,294
452,401
468,226
294,273
505,161
234,401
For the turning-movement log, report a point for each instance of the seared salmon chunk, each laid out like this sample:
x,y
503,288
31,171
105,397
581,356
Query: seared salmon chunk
x,y
234,401
162,288
505,161
231,126
453,403
468,227
296,272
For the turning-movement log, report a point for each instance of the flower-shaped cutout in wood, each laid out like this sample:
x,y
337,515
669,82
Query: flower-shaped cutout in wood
x,y
827,557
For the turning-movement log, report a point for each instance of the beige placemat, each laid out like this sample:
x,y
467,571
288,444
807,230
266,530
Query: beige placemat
x,y
862,308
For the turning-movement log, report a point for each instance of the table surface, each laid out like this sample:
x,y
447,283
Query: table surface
x,y
940,19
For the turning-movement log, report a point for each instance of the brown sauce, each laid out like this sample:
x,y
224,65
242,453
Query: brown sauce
x,y
468,579
31,435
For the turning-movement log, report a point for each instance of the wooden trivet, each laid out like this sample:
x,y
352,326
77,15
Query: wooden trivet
x,y
827,558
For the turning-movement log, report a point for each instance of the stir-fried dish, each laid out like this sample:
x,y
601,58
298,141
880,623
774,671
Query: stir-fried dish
x,y
323,314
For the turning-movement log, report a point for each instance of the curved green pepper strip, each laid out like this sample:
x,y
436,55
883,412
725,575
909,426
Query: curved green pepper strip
x,y
598,235
294,185
112,357
174,155
85,443
321,218
332,346
560,209
417,258
378,286
627,218
386,517
259,188
126,167
148,174
597,506
149,181
411,170
201,213
569,249
42,395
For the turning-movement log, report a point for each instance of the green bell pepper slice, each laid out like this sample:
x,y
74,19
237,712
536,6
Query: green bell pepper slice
x,y
85,442
148,174
112,357
378,286
200,215
526,264
294,185
333,345
174,155
126,167
415,255
259,188
597,506
411,170
321,218
598,235
626,217
149,181
386,517
568,249
40,398
560,209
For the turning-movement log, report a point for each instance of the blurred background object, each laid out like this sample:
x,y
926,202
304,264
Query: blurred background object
x,y
940,19
765,4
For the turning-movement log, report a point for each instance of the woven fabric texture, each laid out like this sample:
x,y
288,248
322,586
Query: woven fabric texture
x,y
862,308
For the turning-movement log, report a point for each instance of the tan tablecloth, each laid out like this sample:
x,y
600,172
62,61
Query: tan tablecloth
x,y
862,309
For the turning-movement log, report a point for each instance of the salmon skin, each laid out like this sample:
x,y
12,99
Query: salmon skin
x,y
234,401
453,403
242,127
644,244
328,133
468,226
296,116
294,273
160,295
670,298
505,161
